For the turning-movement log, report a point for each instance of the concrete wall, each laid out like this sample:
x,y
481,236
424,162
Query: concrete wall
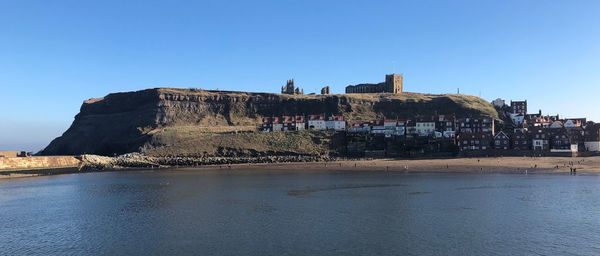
x,y
37,162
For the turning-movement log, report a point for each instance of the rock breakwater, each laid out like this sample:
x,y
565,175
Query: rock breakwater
x,y
136,160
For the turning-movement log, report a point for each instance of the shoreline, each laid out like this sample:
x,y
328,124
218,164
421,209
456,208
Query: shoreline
x,y
497,165
506,165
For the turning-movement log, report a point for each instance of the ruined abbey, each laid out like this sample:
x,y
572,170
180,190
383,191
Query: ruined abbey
x,y
290,88
392,84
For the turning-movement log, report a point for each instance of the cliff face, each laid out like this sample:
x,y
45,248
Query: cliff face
x,y
128,122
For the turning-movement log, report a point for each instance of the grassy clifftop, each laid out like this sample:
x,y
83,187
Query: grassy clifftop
x,y
192,121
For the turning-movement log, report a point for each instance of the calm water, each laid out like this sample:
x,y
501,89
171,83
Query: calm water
x,y
300,213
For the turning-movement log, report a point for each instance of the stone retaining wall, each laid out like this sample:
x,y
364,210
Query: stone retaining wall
x,y
37,162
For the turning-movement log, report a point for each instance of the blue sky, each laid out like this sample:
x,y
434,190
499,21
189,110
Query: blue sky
x,y
56,54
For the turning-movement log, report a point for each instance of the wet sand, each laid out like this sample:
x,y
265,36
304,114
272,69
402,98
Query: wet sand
x,y
452,165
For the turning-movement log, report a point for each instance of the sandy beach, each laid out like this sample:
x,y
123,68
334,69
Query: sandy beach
x,y
514,165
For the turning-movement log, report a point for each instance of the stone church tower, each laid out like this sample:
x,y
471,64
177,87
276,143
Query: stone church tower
x,y
393,83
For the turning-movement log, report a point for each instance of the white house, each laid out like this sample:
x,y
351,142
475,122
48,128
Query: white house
x,y
425,128
317,122
277,124
336,123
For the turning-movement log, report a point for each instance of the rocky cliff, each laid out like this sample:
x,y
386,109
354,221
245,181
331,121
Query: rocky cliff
x,y
214,122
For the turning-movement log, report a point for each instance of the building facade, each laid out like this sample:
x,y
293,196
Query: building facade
x,y
336,123
518,107
473,125
475,141
520,140
501,141
540,140
592,137
317,122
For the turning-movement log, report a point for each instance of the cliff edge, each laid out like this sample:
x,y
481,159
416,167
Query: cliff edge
x,y
192,122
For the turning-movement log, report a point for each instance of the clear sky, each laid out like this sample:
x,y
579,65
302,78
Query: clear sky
x,y
55,54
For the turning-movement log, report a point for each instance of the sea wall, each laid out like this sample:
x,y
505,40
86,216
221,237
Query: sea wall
x,y
37,162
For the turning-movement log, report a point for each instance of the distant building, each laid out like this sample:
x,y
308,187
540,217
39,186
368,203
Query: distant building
x,y
336,123
411,127
317,122
501,141
289,123
425,127
592,137
475,125
540,139
445,124
392,84
359,127
518,107
559,140
325,90
291,89
300,123
277,124
475,141
499,103
267,124
521,140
